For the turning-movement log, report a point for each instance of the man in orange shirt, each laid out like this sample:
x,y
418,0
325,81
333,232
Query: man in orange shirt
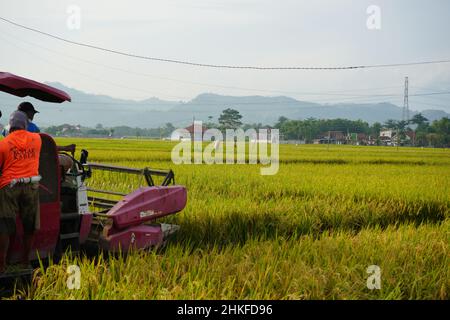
x,y
19,185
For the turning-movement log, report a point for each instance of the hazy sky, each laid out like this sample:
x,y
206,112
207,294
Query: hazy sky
x,y
244,32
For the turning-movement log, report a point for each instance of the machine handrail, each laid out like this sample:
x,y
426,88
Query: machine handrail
x,y
169,176
109,167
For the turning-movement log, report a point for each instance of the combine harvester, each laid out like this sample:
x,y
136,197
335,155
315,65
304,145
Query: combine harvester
x,y
66,218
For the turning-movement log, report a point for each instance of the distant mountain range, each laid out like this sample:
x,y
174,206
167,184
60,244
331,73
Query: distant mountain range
x,y
90,109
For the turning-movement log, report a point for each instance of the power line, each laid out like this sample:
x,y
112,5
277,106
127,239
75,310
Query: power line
x,y
127,71
343,97
76,71
289,105
347,97
424,89
222,66
420,102
341,93
429,94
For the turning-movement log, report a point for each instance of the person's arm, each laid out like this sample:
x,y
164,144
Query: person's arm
x,y
33,128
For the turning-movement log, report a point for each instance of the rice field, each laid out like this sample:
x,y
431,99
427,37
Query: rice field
x,y
308,232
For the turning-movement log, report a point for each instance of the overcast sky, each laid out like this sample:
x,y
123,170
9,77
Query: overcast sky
x,y
235,32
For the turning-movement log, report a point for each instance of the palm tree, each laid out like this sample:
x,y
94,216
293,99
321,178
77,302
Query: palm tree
x,y
390,124
418,119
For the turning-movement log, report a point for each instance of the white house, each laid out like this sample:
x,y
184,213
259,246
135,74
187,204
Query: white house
x,y
387,133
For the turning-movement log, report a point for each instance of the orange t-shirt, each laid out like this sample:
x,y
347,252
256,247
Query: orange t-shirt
x,y
19,156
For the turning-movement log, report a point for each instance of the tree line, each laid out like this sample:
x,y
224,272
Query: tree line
x,y
436,133
425,133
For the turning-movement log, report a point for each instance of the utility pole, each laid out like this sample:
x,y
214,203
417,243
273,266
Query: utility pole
x,y
405,116
405,113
